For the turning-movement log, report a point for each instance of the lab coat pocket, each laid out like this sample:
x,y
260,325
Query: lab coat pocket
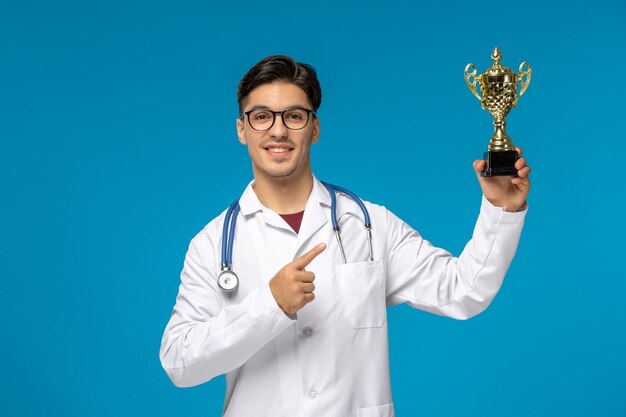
x,y
378,411
361,288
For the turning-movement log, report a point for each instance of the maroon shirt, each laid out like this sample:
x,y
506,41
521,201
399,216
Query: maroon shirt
x,y
294,220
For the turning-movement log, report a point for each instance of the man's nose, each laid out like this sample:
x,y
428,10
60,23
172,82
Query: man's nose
x,y
278,129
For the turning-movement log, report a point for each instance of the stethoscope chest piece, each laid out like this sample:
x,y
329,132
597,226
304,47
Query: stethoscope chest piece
x,y
227,280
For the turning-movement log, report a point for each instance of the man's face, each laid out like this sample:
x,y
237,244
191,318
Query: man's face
x,y
279,151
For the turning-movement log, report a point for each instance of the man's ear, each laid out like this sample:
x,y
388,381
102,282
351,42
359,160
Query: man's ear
x,y
316,130
240,132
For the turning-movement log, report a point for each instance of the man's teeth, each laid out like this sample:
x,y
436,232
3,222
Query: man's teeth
x,y
278,149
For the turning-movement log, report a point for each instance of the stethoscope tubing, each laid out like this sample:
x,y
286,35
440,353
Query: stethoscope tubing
x,y
228,234
333,201
333,216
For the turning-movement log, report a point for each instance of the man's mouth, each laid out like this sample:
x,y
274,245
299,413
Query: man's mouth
x,y
278,150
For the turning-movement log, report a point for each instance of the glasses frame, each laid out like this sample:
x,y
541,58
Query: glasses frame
x,y
282,117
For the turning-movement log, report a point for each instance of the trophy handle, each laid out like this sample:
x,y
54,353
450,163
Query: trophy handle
x,y
528,72
471,79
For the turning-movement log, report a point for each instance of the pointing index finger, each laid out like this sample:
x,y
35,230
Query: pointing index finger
x,y
307,258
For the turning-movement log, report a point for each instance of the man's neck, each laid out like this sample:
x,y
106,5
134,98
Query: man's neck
x,y
284,195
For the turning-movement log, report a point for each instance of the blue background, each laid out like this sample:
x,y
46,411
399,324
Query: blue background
x,y
118,144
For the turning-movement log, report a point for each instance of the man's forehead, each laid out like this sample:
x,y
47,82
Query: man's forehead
x,y
277,94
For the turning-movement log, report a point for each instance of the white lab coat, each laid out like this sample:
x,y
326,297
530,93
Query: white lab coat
x,y
332,360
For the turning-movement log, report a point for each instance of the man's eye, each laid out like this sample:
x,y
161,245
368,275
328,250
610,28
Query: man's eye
x,y
260,116
295,115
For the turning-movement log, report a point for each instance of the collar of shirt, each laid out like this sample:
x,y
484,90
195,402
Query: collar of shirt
x,y
316,212
250,204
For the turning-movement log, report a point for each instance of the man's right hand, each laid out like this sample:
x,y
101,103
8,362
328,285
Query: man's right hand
x,y
292,287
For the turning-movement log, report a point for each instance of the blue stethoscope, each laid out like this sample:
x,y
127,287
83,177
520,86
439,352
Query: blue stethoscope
x,y
227,279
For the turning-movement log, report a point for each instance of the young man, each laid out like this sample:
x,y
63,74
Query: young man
x,y
305,331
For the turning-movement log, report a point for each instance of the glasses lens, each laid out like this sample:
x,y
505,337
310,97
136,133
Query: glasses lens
x,y
295,118
261,119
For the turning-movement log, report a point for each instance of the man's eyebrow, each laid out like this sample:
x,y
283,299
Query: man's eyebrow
x,y
259,107
263,107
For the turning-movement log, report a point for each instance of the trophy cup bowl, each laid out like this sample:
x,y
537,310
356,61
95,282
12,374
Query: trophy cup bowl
x,y
498,86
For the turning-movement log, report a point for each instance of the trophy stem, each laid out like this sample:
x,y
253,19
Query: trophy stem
x,y
501,155
500,141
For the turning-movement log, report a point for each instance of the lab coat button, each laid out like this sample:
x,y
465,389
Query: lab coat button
x,y
313,393
307,331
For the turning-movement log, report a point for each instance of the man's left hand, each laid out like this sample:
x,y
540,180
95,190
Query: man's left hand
x,y
507,192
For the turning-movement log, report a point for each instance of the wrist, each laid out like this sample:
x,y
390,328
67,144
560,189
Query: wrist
x,y
508,206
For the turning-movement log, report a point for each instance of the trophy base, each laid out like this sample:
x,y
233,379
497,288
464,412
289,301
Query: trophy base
x,y
500,164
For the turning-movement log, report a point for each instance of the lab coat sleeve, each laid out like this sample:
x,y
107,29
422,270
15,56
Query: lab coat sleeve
x,y
431,279
203,338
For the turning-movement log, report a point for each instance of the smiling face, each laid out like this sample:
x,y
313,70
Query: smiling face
x,y
278,152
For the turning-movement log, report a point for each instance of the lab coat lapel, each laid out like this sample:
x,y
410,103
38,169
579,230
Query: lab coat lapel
x,y
316,213
250,204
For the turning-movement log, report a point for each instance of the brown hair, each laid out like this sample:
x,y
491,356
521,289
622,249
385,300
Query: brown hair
x,y
281,68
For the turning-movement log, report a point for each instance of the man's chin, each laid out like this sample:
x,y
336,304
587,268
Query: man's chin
x,y
283,172
280,174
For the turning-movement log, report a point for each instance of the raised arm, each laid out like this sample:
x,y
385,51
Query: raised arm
x,y
431,279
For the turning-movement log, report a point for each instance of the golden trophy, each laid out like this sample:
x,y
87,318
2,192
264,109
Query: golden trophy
x,y
498,86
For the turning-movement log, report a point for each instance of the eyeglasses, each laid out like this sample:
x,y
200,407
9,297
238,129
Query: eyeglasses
x,y
263,119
